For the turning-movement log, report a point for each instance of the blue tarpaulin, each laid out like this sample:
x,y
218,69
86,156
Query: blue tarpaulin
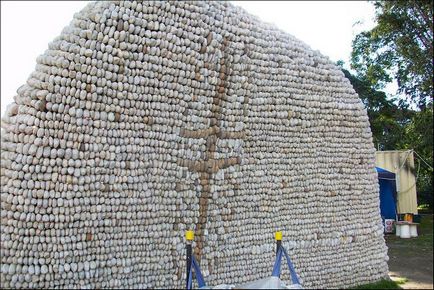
x,y
387,181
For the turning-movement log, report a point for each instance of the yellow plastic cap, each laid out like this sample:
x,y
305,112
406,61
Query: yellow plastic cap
x,y
189,235
278,236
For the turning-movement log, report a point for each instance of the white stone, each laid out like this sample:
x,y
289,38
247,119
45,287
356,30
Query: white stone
x,y
125,127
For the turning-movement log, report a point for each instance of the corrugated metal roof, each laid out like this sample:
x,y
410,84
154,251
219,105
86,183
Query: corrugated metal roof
x,y
401,162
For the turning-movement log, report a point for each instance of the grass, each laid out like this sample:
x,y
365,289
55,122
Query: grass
x,y
425,233
423,242
382,284
407,248
401,280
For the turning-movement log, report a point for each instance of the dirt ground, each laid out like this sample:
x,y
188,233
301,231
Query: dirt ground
x,y
412,259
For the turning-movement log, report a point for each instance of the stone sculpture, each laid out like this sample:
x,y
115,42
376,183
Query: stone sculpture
x,y
145,119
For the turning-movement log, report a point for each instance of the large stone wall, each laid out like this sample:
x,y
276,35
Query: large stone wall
x,y
143,120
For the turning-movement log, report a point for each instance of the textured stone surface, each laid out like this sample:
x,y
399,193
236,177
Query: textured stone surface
x,y
143,120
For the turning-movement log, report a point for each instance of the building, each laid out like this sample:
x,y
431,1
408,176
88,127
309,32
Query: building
x,y
401,162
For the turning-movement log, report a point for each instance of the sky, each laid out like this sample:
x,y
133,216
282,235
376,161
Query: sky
x,y
28,26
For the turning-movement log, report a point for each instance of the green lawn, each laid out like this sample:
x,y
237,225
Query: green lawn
x,y
423,243
382,284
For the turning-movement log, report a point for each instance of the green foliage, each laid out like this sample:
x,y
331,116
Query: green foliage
x,y
418,135
388,121
399,47
397,127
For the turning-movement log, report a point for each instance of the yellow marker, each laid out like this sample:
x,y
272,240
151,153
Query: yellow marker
x,y
278,236
189,235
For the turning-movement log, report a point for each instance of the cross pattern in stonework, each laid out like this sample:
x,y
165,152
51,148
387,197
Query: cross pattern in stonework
x,y
210,165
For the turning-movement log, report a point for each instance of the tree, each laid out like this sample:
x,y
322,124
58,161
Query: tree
x,y
418,135
387,119
399,47
396,127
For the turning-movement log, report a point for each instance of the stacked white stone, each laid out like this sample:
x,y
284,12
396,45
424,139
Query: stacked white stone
x,y
143,120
